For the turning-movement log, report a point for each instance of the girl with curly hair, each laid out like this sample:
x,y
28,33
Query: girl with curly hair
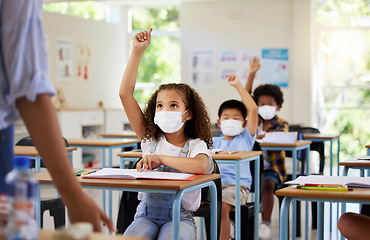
x,y
175,133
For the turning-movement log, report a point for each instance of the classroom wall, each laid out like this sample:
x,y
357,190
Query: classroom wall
x,y
108,44
253,25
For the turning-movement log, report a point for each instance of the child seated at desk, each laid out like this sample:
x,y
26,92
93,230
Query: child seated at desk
x,y
175,134
269,99
232,114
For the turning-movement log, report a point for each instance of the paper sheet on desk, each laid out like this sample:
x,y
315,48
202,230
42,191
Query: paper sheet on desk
x,y
332,180
117,173
280,137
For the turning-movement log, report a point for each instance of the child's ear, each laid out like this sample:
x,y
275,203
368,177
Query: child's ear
x,y
278,108
244,123
219,123
189,115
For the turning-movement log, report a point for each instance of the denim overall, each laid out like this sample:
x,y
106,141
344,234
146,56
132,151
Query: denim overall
x,y
153,218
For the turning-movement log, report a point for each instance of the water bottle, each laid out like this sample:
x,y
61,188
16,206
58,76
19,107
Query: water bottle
x,y
21,189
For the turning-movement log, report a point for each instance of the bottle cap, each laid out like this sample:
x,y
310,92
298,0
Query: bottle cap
x,y
22,162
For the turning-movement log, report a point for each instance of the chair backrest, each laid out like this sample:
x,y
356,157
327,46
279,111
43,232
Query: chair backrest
x,y
257,147
27,141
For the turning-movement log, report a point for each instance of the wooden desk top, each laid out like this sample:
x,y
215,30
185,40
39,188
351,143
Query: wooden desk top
x,y
100,141
358,194
356,162
128,183
298,143
49,234
32,151
320,136
240,155
118,135
235,156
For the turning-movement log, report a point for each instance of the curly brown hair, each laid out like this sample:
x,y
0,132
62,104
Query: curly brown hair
x,y
197,127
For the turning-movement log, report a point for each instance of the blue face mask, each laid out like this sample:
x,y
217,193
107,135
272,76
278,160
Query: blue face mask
x,y
169,121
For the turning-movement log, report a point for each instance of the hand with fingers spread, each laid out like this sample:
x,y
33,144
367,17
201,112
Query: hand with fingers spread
x,y
142,40
254,64
150,162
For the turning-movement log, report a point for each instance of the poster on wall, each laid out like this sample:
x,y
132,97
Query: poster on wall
x,y
228,57
246,57
274,67
202,68
83,61
64,59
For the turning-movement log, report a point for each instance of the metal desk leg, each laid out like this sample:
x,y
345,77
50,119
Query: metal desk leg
x,y
338,153
294,176
331,157
320,220
37,163
284,221
213,191
256,196
38,206
110,192
237,202
307,202
103,165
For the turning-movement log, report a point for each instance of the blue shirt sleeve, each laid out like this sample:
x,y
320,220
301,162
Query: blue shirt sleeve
x,y
23,58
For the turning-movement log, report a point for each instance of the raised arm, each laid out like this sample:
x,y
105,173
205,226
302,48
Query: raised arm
x,y
254,66
252,110
126,92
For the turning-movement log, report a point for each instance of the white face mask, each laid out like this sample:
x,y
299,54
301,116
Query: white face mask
x,y
267,112
168,121
231,127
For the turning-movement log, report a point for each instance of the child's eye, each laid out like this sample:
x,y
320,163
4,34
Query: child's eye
x,y
159,106
173,106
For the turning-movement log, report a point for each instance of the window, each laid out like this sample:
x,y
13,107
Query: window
x,y
343,72
87,9
161,61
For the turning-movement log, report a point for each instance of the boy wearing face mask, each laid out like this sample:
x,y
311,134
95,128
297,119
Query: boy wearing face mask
x,y
238,135
269,99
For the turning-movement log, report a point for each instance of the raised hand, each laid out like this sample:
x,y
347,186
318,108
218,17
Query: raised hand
x,y
142,40
254,64
233,80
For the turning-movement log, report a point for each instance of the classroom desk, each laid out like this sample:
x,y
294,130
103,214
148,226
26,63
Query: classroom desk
x,y
361,163
294,148
163,186
32,152
368,149
236,159
103,144
358,195
319,137
49,234
119,135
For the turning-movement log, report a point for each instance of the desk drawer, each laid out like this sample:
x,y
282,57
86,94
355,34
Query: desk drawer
x,y
92,118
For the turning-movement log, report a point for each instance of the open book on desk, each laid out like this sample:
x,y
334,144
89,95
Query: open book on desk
x,y
116,173
348,181
280,137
